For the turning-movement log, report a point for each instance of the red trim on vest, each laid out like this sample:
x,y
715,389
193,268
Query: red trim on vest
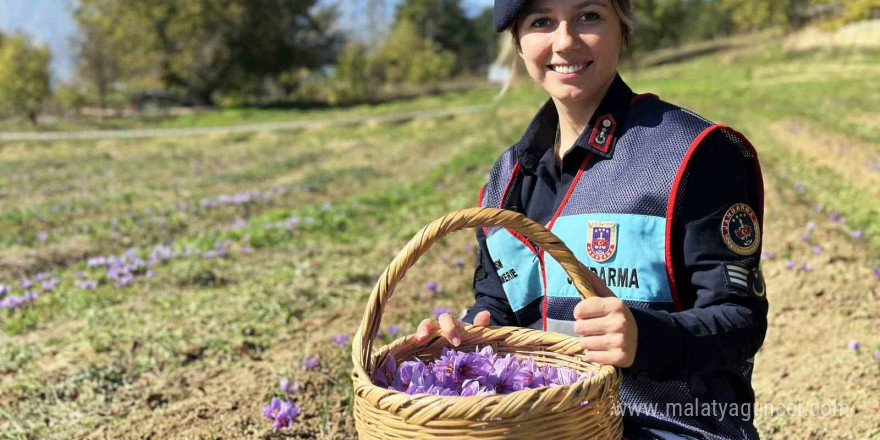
x,y
643,95
480,203
571,187
670,206
515,234
550,224
522,239
544,293
507,187
757,166
609,137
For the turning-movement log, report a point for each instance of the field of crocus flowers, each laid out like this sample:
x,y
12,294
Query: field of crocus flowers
x,y
209,287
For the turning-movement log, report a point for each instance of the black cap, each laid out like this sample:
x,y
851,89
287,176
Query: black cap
x,y
505,12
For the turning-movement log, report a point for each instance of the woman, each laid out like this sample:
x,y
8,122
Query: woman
x,y
663,206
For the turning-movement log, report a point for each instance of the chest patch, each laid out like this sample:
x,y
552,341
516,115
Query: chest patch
x,y
740,229
601,240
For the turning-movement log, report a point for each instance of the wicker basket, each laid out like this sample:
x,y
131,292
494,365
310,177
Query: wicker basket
x,y
580,411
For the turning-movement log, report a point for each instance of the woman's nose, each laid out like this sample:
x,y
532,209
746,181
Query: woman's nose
x,y
564,38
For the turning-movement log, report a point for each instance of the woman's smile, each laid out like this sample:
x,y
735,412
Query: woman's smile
x,y
564,71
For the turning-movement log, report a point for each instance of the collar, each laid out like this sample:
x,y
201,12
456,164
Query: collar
x,y
599,136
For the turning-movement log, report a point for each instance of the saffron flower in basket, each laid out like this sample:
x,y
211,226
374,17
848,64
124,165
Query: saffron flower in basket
x,y
480,373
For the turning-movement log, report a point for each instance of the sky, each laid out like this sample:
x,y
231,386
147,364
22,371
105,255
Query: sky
x,y
49,21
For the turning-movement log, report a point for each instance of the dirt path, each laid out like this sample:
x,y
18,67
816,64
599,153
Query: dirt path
x,y
239,128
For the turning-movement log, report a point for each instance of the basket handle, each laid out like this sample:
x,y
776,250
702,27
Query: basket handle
x,y
362,343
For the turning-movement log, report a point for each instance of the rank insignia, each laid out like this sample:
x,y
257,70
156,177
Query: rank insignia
x,y
745,279
740,229
601,240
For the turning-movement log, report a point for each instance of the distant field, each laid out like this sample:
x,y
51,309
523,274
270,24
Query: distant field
x,y
252,251
253,115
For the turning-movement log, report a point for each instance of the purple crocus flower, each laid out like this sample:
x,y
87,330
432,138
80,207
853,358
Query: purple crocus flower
x,y
799,187
282,413
80,274
817,249
404,376
340,339
459,262
810,226
284,384
42,236
4,289
439,311
311,363
421,379
789,264
766,255
857,234
445,259
26,283
853,345
877,355
507,376
86,284
469,248
472,387
806,267
835,217
394,329
877,273
432,286
566,376
805,238
385,376
818,208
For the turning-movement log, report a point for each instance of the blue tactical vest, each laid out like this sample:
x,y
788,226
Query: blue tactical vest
x,y
616,218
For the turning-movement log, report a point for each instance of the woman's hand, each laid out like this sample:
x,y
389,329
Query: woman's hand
x,y
449,326
609,333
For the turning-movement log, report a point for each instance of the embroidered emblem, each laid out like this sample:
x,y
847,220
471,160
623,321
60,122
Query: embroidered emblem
x,y
601,240
740,229
758,286
745,280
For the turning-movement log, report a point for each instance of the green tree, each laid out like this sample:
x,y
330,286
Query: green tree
x,y
445,23
357,75
200,47
759,14
24,76
406,57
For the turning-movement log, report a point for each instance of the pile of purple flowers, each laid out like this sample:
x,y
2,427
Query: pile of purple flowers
x,y
478,373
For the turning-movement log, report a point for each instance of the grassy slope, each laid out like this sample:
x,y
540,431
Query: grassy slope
x,y
195,351
254,115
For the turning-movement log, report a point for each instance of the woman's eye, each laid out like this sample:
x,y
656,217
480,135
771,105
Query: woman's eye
x,y
590,16
540,22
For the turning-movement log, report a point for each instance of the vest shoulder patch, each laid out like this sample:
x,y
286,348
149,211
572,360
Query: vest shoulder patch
x,y
740,229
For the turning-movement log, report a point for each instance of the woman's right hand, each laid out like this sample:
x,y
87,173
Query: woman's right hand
x,y
448,326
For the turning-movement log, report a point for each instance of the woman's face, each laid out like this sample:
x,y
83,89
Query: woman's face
x,y
570,47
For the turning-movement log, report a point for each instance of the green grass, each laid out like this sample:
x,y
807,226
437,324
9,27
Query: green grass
x,y
259,115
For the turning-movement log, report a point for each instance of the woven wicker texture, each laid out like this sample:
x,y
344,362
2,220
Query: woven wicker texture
x,y
584,410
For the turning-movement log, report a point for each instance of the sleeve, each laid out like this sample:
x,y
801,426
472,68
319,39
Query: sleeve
x,y
488,292
715,248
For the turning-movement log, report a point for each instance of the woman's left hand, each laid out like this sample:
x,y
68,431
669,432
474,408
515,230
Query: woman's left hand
x,y
609,334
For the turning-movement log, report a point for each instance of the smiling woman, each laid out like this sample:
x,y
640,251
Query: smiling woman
x,y
664,207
